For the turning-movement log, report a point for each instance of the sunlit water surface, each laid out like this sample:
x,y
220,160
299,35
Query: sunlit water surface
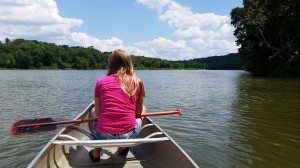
x,y
230,118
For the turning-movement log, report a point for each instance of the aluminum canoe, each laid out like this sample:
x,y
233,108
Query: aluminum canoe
x,y
152,148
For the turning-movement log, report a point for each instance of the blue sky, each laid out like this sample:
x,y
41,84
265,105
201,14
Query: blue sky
x,y
168,29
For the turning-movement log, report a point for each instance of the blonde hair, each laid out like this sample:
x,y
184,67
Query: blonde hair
x,y
119,63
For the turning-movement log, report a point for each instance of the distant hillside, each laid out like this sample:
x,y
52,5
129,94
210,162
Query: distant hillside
x,y
32,54
233,61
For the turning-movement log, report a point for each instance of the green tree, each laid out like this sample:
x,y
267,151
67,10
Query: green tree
x,y
268,35
7,41
23,60
7,61
24,54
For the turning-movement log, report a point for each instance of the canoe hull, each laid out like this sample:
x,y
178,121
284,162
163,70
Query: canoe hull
x,y
159,154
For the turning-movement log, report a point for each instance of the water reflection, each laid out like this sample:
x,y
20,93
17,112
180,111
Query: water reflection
x,y
206,98
265,122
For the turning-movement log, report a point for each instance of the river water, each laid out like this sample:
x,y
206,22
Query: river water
x,y
231,119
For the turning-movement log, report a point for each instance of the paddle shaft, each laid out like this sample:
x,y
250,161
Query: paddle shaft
x,y
57,123
178,111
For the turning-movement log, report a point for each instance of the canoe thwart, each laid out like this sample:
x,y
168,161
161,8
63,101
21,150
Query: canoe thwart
x,y
110,143
67,136
146,126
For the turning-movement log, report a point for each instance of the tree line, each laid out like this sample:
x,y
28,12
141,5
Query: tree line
x,y
32,54
233,61
269,36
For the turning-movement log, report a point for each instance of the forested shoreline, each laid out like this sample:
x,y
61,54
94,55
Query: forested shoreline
x,y
269,36
32,54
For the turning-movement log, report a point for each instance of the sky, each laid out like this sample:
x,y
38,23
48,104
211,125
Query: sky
x,y
167,29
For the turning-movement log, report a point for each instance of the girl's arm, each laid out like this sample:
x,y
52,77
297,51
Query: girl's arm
x,y
139,109
97,105
140,103
97,99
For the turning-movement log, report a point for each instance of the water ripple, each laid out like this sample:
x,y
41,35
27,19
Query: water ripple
x,y
230,119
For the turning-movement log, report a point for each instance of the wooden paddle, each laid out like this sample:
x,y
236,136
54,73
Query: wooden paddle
x,y
40,125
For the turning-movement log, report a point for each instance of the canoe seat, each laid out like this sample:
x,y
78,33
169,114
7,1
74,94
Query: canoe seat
x,y
70,140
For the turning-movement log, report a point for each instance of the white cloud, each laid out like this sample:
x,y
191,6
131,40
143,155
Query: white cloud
x,y
40,20
208,33
14,3
34,19
196,34
211,47
156,5
210,41
165,48
85,40
223,32
159,47
179,16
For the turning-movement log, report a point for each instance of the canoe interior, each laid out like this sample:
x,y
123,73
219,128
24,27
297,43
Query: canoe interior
x,y
159,154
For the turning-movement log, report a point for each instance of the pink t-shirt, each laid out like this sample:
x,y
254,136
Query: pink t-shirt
x,y
117,109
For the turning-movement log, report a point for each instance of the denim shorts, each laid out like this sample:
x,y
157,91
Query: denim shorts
x,y
96,135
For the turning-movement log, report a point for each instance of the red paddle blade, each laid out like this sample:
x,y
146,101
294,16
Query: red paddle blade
x,y
16,130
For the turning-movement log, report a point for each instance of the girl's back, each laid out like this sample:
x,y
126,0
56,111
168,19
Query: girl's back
x,y
117,108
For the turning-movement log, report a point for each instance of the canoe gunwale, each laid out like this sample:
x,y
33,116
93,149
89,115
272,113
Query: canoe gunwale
x,y
175,143
46,147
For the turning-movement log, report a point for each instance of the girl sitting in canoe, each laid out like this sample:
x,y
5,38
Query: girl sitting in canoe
x,y
118,101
